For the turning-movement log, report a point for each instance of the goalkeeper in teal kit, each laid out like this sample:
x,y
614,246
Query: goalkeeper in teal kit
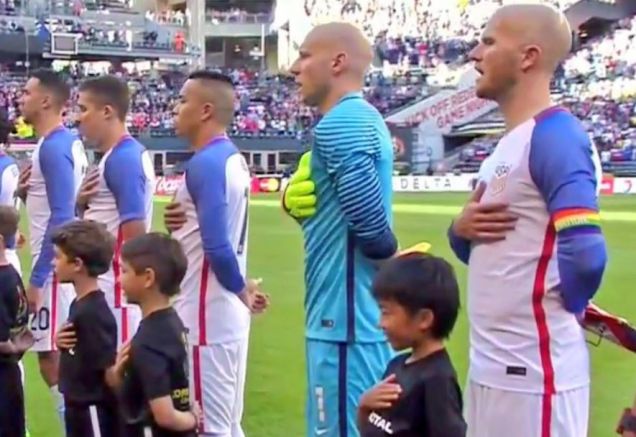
x,y
341,195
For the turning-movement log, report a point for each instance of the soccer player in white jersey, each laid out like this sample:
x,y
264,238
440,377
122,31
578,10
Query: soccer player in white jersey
x,y
119,192
54,176
531,238
9,178
216,298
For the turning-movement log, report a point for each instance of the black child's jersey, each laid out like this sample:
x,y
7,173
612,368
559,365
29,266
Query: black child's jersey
x,y
430,404
14,314
83,367
158,367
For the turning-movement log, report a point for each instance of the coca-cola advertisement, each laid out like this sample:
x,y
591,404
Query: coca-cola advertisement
x,y
167,185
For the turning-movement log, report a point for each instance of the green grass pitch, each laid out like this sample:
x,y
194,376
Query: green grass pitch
x,y
276,379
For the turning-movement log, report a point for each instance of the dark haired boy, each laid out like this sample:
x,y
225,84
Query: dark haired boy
x,y
15,336
151,374
419,395
88,340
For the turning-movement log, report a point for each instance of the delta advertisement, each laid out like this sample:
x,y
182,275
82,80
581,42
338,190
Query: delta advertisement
x,y
466,181
452,183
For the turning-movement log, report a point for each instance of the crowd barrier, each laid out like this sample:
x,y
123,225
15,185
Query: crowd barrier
x,y
167,185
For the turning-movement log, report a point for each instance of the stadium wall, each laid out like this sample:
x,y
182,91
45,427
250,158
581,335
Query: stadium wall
x,y
457,183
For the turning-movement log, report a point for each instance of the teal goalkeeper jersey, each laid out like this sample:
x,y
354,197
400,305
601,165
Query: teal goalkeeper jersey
x,y
352,163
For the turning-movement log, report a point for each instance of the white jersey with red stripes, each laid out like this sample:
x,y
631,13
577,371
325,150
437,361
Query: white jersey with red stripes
x,y
9,178
59,165
215,196
521,337
125,193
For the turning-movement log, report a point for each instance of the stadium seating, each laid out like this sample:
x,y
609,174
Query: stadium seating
x,y
412,39
267,105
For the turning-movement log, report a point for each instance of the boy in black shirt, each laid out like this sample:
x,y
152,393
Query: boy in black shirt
x,y
151,373
88,340
419,397
15,335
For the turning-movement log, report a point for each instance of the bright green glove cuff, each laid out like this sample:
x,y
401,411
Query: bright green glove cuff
x,y
299,199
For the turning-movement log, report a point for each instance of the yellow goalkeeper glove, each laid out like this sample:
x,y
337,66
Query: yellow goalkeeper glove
x,y
299,198
422,247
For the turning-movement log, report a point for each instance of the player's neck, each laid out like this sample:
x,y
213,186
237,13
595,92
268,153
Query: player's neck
x,y
335,95
46,125
3,258
113,137
84,286
152,302
425,348
206,134
524,103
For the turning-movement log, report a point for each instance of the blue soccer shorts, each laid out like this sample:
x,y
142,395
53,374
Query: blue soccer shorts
x,y
337,376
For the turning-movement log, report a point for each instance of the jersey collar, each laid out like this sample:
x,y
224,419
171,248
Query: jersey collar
x,y
123,138
57,129
216,139
351,95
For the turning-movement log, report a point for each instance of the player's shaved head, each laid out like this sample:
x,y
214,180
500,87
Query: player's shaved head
x,y
344,39
538,25
333,59
216,89
521,47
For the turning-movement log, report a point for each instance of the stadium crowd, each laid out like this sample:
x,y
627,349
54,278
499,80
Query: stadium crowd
x,y
597,83
267,104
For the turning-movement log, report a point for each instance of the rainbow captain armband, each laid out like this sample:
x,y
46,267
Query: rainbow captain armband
x,y
576,218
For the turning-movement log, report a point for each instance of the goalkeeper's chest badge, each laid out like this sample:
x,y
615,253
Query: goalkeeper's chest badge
x,y
498,182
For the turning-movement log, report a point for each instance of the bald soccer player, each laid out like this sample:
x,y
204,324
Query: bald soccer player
x,y
209,217
349,232
530,235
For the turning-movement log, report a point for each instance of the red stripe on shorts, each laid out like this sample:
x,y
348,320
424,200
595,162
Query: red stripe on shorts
x,y
196,370
203,334
117,267
124,325
540,318
53,319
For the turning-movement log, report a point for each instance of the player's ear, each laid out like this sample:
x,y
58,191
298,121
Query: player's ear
x,y
47,100
108,111
78,264
339,62
425,319
530,57
208,111
149,278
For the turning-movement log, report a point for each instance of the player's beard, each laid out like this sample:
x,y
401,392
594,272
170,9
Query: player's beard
x,y
317,97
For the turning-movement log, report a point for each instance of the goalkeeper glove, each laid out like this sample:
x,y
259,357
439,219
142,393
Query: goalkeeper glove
x,y
299,198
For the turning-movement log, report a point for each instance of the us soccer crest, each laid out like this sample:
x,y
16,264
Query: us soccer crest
x,y
498,182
